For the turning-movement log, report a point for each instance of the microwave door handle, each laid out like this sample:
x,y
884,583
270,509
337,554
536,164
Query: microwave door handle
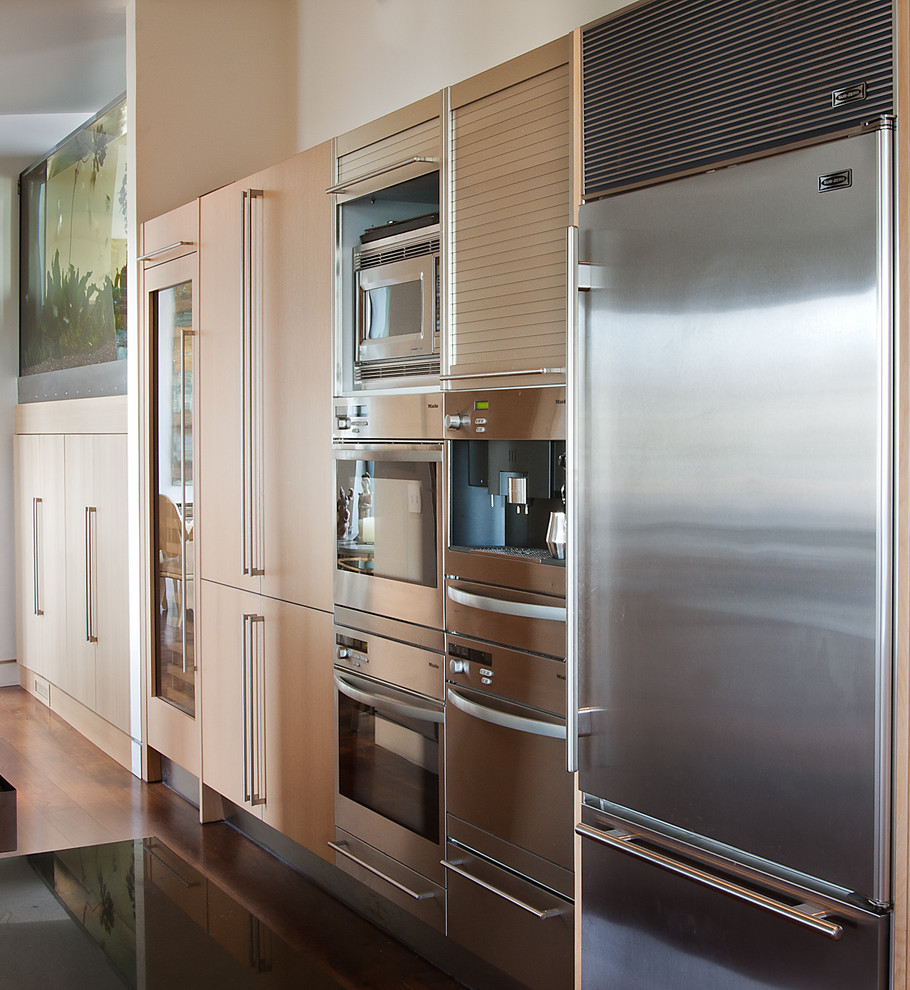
x,y
407,709
505,606
533,726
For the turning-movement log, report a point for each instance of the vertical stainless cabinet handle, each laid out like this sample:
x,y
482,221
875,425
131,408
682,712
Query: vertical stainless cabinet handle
x,y
251,369
571,503
251,705
36,555
90,636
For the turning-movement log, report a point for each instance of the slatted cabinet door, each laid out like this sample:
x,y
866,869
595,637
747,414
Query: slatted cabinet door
x,y
511,201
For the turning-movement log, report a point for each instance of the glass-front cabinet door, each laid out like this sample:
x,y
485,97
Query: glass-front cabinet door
x,y
171,324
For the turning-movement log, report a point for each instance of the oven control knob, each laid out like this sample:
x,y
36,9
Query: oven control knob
x,y
344,422
455,421
343,654
459,667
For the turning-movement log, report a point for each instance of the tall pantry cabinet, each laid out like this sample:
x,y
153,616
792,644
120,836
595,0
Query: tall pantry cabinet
x,y
264,541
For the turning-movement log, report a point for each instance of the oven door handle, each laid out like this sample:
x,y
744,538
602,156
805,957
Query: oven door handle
x,y
407,709
533,726
507,606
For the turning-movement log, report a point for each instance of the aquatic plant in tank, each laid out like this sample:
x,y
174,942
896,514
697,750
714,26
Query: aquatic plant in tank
x,y
73,261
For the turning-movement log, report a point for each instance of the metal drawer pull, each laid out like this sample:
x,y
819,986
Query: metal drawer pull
x,y
530,725
537,912
503,606
163,250
90,635
811,916
339,848
408,710
503,374
353,183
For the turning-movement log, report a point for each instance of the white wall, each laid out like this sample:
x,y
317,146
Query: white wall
x,y
360,59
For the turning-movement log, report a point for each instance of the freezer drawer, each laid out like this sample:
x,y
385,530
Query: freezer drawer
x,y
517,926
644,925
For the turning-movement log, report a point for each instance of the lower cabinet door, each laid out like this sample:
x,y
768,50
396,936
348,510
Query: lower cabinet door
x,y
267,717
229,625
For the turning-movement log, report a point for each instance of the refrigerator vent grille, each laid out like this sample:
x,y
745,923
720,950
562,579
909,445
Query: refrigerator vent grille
x,y
671,87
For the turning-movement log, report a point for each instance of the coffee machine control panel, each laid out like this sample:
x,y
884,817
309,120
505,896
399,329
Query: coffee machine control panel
x,y
506,414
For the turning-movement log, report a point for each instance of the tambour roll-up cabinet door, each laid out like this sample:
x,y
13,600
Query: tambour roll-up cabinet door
x,y
511,200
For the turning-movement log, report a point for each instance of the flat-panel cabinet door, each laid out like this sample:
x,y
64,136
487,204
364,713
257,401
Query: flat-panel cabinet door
x,y
82,597
40,580
110,573
296,280
299,736
228,469
230,630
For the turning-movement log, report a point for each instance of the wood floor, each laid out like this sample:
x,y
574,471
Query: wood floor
x,y
69,793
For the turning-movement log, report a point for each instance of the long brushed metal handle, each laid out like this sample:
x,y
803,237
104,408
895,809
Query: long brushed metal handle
x,y
339,847
36,555
572,535
259,789
90,635
504,374
506,720
376,173
507,606
542,913
406,709
251,714
808,915
245,700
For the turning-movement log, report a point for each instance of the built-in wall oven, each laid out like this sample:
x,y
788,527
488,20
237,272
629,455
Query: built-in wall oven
x,y
509,798
390,759
389,491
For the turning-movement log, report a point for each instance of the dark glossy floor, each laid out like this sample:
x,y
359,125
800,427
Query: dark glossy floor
x,y
70,794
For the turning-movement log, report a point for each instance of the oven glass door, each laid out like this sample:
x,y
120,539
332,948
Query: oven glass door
x,y
389,771
388,530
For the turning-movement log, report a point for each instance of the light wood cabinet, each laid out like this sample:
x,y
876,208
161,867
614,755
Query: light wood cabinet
x,y
511,200
265,383
267,718
97,608
40,580
72,564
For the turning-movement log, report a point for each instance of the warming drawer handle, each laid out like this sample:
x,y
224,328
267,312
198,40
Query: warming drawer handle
x,y
533,726
339,847
808,915
537,912
366,177
505,606
404,708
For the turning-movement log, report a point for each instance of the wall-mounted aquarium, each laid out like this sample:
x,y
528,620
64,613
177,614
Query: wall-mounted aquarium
x,y
73,263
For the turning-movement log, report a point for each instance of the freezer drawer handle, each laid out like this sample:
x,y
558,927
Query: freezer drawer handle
x,y
534,726
503,606
812,916
339,847
537,912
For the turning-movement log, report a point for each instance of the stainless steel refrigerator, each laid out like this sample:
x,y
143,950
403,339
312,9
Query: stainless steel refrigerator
x,y
731,514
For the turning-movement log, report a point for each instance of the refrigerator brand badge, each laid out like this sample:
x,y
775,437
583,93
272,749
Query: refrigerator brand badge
x,y
850,94
835,180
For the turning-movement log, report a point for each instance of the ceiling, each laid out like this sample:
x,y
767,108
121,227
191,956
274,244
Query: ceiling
x,y
61,61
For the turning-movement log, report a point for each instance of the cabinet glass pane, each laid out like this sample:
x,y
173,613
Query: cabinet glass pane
x,y
172,323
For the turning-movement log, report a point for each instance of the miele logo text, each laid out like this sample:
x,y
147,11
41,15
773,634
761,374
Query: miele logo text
x,y
835,180
560,402
435,666
432,405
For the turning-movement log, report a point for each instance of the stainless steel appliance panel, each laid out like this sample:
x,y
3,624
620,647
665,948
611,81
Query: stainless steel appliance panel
x,y
518,926
504,615
732,475
402,416
390,749
506,768
653,918
389,530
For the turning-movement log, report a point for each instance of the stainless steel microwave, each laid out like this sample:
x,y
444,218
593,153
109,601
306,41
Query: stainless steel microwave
x,y
397,306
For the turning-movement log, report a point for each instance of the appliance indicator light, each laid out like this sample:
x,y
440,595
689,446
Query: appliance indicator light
x,y
481,404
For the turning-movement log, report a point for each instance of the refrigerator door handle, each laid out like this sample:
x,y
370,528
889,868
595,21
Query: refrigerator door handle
x,y
808,915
